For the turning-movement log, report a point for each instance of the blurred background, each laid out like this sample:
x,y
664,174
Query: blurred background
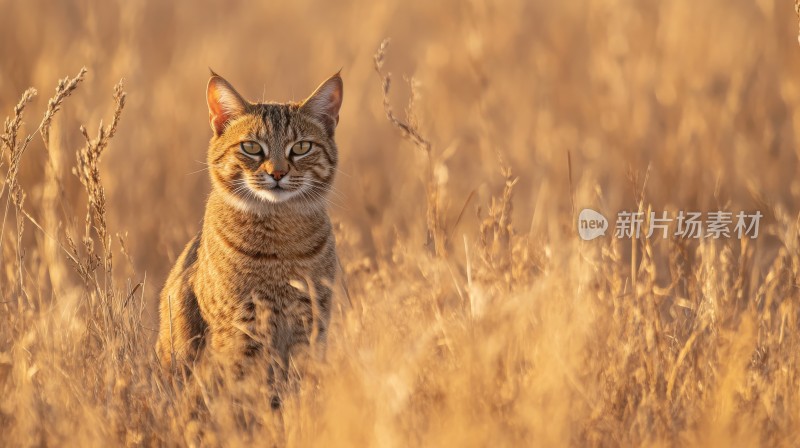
x,y
684,105
704,94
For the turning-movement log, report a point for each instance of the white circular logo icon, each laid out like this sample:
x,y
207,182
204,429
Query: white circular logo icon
x,y
591,224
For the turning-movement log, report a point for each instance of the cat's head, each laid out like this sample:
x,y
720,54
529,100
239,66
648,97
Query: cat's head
x,y
266,154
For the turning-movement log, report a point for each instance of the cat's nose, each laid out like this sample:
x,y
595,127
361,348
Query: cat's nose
x,y
277,174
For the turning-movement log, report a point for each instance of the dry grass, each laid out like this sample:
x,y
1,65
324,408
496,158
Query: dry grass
x,y
469,312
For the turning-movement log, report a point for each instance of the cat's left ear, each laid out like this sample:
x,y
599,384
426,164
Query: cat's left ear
x,y
325,102
224,103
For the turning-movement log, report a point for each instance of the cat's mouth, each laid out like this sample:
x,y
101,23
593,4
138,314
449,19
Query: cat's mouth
x,y
275,188
274,192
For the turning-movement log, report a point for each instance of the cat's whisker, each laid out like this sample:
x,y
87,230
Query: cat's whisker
x,y
198,171
327,194
238,182
306,194
343,173
325,185
318,196
327,200
244,188
306,200
321,183
207,167
324,194
332,191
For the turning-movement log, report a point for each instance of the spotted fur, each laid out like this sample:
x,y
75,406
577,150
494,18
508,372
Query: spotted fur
x,y
255,282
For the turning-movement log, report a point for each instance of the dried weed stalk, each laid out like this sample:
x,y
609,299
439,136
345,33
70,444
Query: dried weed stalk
x,y
88,172
436,236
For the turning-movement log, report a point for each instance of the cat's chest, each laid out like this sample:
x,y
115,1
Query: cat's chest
x,y
269,264
227,284
234,265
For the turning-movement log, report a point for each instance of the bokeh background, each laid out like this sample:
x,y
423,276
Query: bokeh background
x,y
586,102
620,84
704,93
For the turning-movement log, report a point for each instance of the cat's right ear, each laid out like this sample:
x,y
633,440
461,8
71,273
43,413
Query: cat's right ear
x,y
325,102
224,103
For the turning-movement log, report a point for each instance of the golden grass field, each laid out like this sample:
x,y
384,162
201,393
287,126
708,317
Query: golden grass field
x,y
469,313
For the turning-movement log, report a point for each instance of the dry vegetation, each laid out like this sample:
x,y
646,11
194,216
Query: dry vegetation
x,y
469,312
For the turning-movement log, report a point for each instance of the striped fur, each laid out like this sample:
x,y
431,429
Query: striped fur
x,y
255,283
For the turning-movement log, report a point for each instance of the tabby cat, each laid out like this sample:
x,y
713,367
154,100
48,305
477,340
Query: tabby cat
x,y
255,282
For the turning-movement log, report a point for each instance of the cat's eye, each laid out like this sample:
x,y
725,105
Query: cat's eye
x,y
301,148
250,147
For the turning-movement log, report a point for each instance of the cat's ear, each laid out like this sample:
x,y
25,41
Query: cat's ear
x,y
224,103
325,102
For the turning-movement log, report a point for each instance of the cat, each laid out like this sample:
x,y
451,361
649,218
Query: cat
x,y
256,281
